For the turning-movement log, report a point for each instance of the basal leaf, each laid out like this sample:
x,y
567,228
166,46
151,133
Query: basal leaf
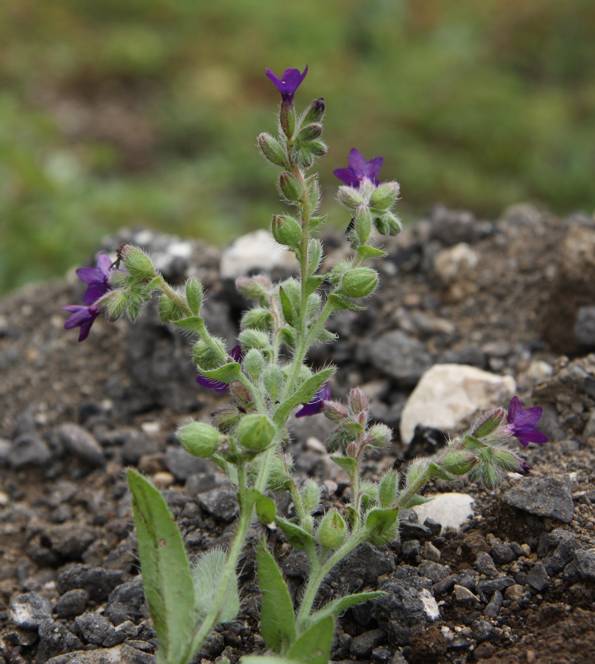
x,y
340,605
277,617
168,585
314,645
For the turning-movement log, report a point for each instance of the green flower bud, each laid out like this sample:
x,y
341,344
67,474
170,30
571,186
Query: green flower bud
x,y
138,264
255,288
310,495
273,379
385,195
115,303
254,363
350,197
317,148
314,112
310,132
506,460
254,339
194,295
332,530
287,119
258,318
209,356
363,223
199,439
290,187
379,435
255,432
286,230
458,462
388,224
489,423
359,282
387,490
271,149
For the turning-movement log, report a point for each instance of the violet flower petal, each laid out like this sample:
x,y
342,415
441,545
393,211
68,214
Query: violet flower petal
x,y
359,169
522,423
82,317
290,81
316,404
237,355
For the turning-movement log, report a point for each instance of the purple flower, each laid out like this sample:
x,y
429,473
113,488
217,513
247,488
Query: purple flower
x,y
289,82
359,169
316,404
81,316
522,422
237,355
96,278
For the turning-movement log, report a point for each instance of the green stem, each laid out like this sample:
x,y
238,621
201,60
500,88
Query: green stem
x,y
173,295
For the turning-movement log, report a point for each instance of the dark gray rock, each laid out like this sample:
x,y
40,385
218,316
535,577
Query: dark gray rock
x,y
410,530
68,541
557,549
72,603
489,586
29,610
182,465
126,602
484,564
55,639
97,581
96,629
494,605
433,571
584,327
453,226
410,549
362,645
362,568
220,502
503,553
124,654
585,563
543,496
464,596
399,356
538,577
80,443
137,444
28,449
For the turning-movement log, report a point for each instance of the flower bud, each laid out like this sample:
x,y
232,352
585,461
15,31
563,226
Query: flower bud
x,y
287,118
194,295
310,132
138,264
458,462
489,423
350,197
359,282
286,230
209,356
507,460
258,318
332,530
271,149
310,495
255,288
358,401
388,224
115,303
273,379
254,363
385,195
314,112
255,432
199,439
335,411
363,223
254,339
379,435
290,187
317,148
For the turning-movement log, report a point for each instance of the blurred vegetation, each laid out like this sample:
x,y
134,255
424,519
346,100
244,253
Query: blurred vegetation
x,y
144,113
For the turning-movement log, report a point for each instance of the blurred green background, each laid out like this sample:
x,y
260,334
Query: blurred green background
x,y
144,112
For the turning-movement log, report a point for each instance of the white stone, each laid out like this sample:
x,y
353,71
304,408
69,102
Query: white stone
x,y
455,262
430,604
449,393
255,251
450,510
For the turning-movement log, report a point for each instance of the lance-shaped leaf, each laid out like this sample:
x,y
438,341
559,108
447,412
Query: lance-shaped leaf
x,y
168,585
340,605
206,573
295,534
226,373
302,395
381,523
314,645
266,510
277,617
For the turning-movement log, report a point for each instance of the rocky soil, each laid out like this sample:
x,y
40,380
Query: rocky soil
x,y
509,581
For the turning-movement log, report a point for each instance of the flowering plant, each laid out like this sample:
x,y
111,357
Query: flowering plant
x,y
269,381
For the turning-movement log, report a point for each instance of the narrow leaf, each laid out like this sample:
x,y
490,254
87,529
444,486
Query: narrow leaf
x,y
226,373
303,395
295,534
277,618
348,464
192,323
206,573
266,510
340,605
168,585
289,312
314,645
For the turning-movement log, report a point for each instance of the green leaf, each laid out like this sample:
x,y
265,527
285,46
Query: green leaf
x,y
277,618
314,645
348,464
381,523
168,585
194,295
266,510
206,573
226,373
340,605
342,302
295,534
302,395
368,251
267,659
314,282
289,312
414,501
192,323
